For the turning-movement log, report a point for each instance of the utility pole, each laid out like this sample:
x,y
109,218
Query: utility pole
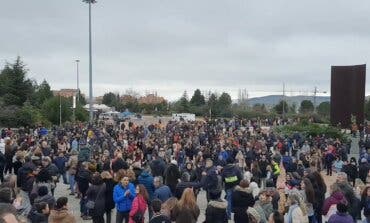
x,y
314,100
60,110
283,100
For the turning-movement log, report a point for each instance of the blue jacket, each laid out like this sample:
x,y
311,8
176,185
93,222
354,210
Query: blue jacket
x,y
123,203
147,180
162,193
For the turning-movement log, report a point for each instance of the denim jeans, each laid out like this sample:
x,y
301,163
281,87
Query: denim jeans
x,y
72,183
229,193
83,209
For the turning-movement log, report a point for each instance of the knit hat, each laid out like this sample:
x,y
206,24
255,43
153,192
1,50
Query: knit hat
x,y
174,162
254,213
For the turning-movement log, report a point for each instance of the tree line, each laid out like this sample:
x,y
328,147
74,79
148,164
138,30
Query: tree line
x,y
24,102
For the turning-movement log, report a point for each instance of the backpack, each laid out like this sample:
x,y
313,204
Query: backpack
x,y
218,185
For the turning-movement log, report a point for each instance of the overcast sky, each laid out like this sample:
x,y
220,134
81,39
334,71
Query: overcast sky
x,y
170,46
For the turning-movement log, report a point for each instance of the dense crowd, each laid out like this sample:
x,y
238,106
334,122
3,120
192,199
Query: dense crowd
x,y
247,172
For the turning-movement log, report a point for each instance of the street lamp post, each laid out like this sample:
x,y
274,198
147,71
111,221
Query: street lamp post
x,y
90,63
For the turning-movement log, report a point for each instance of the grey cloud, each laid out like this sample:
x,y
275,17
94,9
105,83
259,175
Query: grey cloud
x,y
177,45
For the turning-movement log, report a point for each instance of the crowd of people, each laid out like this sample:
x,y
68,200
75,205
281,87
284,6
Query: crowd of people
x,y
246,172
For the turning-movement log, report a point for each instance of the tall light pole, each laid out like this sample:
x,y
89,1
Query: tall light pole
x,y
78,82
90,63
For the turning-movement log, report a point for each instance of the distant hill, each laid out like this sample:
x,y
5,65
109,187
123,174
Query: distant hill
x,y
272,100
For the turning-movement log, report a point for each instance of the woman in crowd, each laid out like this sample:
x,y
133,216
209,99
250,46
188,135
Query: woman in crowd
x,y
319,188
216,209
331,202
96,196
61,213
139,205
123,195
297,211
186,210
242,198
365,202
308,194
109,203
168,205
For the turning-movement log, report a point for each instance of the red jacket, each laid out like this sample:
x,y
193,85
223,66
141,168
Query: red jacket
x,y
335,198
138,204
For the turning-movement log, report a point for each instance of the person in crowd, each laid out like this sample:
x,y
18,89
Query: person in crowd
x,y
319,187
72,170
2,165
231,176
123,195
264,203
186,210
297,211
308,194
242,198
139,205
172,176
109,203
158,217
146,179
276,217
60,162
363,170
341,215
186,183
216,209
83,179
331,202
162,192
253,215
96,196
48,173
45,196
365,203
346,188
8,213
61,213
189,168
212,178
351,170
40,213
158,165
338,164
168,206
9,153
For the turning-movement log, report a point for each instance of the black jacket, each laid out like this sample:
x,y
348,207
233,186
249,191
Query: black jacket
x,y
363,170
109,185
119,164
216,212
157,167
172,175
36,217
231,176
83,179
97,193
242,198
